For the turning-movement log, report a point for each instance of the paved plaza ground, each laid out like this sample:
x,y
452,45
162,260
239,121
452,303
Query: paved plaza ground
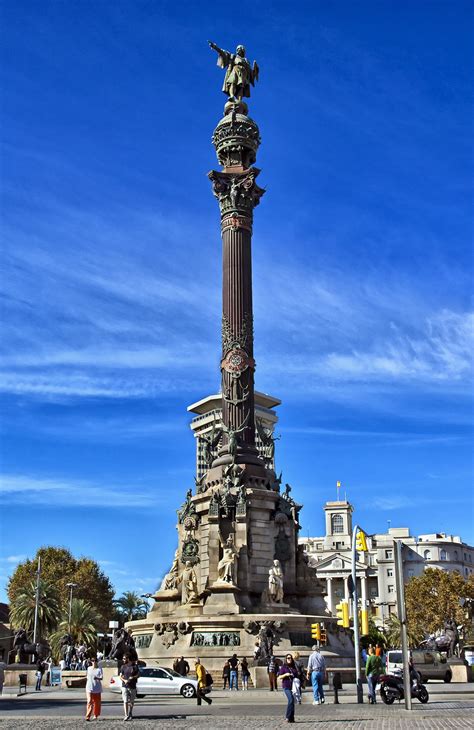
x,y
450,706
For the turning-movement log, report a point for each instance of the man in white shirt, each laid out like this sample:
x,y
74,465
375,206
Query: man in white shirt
x,y
315,671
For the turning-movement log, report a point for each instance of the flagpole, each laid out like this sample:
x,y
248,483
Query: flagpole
x,y
35,630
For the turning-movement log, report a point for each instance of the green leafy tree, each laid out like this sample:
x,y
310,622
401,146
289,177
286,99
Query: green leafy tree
x,y
59,567
22,608
83,627
374,636
434,597
131,606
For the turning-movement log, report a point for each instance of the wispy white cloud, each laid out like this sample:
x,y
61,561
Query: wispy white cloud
x,y
13,559
16,488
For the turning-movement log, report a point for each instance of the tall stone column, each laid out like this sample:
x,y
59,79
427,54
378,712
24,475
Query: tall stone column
x,y
236,139
363,583
329,595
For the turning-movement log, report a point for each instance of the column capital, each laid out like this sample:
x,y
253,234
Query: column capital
x,y
238,194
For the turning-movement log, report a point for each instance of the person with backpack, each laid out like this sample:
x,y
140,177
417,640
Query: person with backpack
x,y
373,670
203,683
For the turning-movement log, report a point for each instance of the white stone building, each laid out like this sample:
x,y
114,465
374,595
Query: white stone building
x,y
332,555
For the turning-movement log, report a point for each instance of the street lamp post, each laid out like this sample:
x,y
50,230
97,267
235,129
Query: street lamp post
x,y
71,587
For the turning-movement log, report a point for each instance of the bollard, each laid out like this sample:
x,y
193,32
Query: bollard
x,y
337,685
22,681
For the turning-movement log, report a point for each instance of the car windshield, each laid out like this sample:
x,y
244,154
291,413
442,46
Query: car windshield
x,y
172,672
395,657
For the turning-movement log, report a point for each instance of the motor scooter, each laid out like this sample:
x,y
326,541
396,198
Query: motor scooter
x,y
391,689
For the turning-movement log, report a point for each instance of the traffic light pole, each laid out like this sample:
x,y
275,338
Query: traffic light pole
x,y
402,615
355,616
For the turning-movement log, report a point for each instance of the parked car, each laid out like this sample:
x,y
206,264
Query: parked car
x,y
468,654
432,665
158,681
429,664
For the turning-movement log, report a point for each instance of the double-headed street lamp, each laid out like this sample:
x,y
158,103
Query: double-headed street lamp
x,y
71,587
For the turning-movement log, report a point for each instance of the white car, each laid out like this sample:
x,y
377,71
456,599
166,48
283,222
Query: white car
x,y
159,681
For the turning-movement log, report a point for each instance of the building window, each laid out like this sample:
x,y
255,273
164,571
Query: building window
x,y
388,555
442,555
319,546
389,572
391,589
337,523
465,556
456,556
427,555
373,591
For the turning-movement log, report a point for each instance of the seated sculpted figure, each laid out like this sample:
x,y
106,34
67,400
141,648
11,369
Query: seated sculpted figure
x,y
226,565
171,579
275,582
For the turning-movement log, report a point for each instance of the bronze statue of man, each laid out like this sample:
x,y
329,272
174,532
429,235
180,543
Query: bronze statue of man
x,y
239,74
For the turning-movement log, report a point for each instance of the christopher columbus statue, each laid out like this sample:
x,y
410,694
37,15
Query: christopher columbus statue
x,y
239,74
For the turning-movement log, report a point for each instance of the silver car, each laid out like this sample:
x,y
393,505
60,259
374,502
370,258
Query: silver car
x,y
158,681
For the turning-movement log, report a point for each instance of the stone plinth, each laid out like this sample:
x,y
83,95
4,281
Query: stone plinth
x,y
13,671
460,671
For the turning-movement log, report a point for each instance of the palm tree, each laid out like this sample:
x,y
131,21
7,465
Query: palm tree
x,y
22,609
394,633
131,606
84,624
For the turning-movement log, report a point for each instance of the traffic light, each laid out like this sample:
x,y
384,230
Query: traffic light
x,y
323,636
316,631
342,609
361,542
364,622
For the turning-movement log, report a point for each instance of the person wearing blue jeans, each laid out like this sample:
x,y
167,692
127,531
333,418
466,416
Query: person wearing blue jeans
x,y
287,673
316,670
373,669
233,679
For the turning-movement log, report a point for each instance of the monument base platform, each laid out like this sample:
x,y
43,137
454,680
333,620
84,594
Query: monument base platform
x,y
160,639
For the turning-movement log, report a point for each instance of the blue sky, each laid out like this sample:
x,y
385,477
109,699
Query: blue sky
x,y
111,263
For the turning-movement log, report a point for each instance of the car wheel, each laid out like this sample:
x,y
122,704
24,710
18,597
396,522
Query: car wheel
x,y
188,691
448,677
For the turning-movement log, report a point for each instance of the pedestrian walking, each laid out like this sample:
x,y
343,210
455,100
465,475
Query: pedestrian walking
x,y
95,676
272,668
129,677
226,674
202,683
40,670
315,672
373,670
181,666
234,672
2,676
244,673
288,673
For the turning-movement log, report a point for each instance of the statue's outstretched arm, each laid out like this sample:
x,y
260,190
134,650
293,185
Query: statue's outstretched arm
x,y
224,57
